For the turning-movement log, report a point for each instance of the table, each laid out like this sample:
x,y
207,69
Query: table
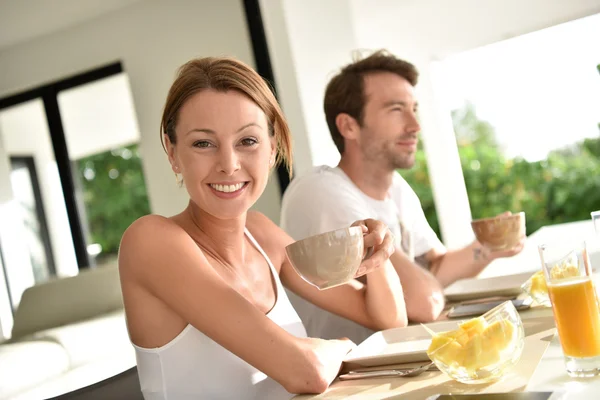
x,y
551,376
541,369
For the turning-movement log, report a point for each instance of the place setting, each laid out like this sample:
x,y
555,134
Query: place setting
x,y
494,333
480,344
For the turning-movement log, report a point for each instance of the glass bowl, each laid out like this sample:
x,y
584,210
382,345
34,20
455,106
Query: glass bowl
x,y
537,289
482,349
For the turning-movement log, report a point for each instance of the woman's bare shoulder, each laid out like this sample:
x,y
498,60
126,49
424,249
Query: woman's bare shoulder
x,y
148,226
148,236
150,221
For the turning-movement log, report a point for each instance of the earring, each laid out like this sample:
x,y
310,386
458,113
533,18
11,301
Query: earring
x,y
178,179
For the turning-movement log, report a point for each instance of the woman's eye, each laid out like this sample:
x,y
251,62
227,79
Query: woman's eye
x,y
249,141
202,144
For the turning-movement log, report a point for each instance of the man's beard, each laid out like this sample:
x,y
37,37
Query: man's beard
x,y
402,161
380,154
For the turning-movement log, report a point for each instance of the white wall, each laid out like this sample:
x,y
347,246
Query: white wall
x,y
152,39
308,41
98,116
426,31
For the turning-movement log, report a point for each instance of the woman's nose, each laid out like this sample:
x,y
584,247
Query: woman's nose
x,y
228,162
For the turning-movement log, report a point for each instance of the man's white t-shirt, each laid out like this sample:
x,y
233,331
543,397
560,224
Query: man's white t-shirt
x,y
326,199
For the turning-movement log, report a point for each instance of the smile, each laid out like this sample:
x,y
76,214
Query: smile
x,y
228,188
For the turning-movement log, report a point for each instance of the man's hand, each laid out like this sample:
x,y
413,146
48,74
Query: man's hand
x,y
490,256
378,236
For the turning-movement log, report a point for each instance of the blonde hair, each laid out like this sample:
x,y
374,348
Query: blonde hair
x,y
223,74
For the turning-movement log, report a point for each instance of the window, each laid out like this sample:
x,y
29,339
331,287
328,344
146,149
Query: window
x,y
526,114
71,179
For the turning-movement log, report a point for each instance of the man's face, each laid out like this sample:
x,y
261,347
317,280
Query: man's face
x,y
389,131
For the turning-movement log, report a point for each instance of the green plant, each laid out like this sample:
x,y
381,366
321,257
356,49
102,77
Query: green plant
x,y
114,194
418,179
563,188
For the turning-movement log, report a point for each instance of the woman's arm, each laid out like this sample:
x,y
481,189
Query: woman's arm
x,y
157,256
378,305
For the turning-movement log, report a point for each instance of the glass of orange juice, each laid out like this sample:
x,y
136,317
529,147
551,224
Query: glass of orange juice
x,y
574,301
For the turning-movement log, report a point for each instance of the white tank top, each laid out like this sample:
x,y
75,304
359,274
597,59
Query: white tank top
x,y
193,366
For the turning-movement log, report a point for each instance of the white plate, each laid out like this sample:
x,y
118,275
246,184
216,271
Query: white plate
x,y
408,345
469,289
396,346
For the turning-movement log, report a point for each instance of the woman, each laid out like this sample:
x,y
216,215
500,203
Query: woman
x,y
205,306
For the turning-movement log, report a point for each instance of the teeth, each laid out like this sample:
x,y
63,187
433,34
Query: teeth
x,y
227,188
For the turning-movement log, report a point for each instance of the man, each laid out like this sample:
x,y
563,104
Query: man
x,y
371,112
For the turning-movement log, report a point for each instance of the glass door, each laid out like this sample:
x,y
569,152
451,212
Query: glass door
x,y
30,208
35,244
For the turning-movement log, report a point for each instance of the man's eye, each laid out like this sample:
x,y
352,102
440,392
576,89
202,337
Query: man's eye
x,y
398,109
249,141
202,144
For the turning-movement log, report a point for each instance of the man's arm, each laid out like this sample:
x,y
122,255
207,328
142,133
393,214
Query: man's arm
x,y
464,263
422,292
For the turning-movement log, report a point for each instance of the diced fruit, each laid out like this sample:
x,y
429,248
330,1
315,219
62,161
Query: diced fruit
x,y
474,326
437,342
450,353
570,271
478,354
538,283
459,335
474,345
564,270
499,334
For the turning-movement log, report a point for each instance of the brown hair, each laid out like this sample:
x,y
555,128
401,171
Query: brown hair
x,y
345,91
223,74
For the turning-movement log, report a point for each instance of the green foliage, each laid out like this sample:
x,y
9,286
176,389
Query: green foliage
x,y
418,178
114,194
563,188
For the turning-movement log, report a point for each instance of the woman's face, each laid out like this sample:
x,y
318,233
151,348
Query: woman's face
x,y
223,151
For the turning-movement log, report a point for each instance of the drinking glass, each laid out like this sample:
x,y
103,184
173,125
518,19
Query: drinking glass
x,y
575,305
596,220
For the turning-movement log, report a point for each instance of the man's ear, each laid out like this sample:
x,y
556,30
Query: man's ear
x,y
347,126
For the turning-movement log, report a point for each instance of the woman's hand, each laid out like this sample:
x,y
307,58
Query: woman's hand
x,y
378,236
329,356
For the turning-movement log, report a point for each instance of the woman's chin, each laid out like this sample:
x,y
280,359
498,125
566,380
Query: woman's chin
x,y
227,211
